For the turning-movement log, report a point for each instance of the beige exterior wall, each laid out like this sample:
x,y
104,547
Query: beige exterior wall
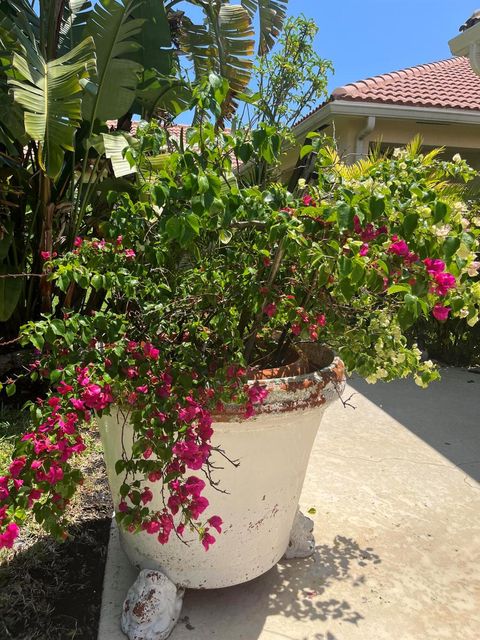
x,y
457,138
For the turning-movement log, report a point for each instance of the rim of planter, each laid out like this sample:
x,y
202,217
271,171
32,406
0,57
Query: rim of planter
x,y
308,383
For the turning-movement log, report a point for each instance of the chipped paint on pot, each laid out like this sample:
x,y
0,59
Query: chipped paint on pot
x,y
258,511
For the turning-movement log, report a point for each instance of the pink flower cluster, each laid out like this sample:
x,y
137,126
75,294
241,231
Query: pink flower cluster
x,y
183,429
187,494
194,448
400,248
190,451
369,232
53,444
256,395
313,324
100,245
8,537
443,282
270,309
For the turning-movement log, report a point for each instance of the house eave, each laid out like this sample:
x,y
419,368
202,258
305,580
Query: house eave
x,y
404,112
460,45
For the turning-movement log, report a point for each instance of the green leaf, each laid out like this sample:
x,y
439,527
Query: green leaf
x,y
225,236
115,146
116,35
155,40
55,376
37,340
406,317
271,14
308,148
347,289
344,265
398,288
119,466
10,292
377,206
174,227
411,300
203,184
345,215
222,45
194,222
50,95
312,511
409,225
10,389
358,272
450,247
440,212
97,281
323,275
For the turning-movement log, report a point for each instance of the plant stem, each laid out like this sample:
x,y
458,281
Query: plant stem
x,y
250,345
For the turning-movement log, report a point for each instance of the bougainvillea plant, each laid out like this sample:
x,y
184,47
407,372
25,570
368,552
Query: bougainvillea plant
x,y
202,279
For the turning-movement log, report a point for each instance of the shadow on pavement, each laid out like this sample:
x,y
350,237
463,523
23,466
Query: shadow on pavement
x,y
446,415
295,590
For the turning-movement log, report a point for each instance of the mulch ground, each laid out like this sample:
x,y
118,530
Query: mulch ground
x,y
51,590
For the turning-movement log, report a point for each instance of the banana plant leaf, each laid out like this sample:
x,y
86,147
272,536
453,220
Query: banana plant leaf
x,y
10,292
271,15
50,95
223,45
116,34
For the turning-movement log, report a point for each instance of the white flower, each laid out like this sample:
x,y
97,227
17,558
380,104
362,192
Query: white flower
x,y
419,382
457,158
473,268
442,231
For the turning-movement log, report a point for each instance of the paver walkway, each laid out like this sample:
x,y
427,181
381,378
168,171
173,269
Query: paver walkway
x,y
395,486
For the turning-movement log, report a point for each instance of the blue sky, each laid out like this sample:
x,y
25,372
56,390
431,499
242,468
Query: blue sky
x,y
369,37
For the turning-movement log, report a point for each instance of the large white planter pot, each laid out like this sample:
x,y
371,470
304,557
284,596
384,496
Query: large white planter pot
x,y
258,511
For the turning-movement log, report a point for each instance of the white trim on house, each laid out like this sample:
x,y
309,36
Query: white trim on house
x,y
430,115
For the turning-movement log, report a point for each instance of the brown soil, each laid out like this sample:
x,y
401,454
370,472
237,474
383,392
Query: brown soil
x,y
51,590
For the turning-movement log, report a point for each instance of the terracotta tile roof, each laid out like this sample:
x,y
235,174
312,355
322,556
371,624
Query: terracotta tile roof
x,y
175,130
449,83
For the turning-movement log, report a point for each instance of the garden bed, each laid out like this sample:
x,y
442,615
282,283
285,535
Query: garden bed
x,y
50,590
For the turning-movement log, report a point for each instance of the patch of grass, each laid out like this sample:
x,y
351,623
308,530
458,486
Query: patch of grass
x,y
51,590
12,424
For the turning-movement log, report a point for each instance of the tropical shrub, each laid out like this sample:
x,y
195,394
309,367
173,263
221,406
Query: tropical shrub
x,y
72,75
197,283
